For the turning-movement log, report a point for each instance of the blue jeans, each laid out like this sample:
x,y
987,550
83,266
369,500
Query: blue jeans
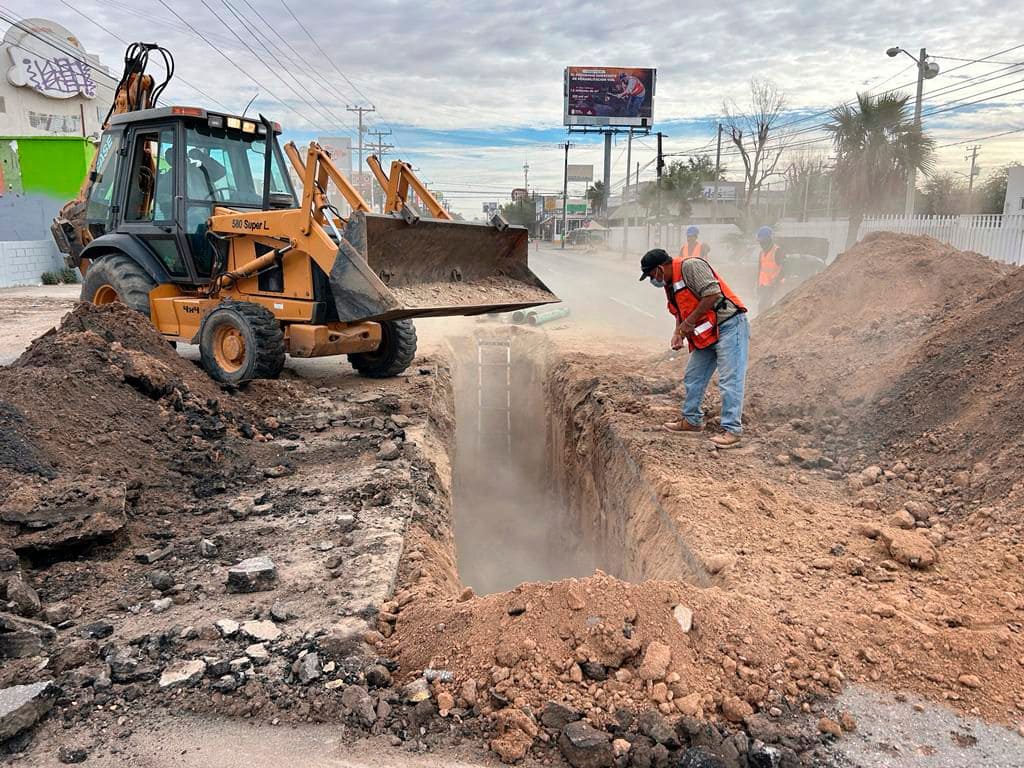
x,y
729,356
633,106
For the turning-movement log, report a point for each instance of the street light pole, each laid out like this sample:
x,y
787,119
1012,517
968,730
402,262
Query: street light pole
x,y
926,70
912,176
565,194
718,171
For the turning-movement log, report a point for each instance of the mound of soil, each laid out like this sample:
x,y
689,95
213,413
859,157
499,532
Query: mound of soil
x,y
850,330
102,403
598,644
959,400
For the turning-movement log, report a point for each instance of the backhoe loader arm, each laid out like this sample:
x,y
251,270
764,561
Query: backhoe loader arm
x,y
396,188
314,172
136,90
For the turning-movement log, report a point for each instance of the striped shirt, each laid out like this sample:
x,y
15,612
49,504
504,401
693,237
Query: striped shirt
x,y
700,278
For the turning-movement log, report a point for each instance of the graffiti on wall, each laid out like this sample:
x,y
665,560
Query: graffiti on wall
x,y
49,59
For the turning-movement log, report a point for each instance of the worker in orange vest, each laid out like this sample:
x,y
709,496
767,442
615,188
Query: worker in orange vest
x,y
769,269
713,321
693,246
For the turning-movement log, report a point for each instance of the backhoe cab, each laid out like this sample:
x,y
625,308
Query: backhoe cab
x,y
191,218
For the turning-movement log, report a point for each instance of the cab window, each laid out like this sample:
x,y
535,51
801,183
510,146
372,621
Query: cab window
x,y
151,186
102,193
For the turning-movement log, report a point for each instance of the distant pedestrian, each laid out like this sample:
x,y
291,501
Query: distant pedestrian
x,y
769,269
713,321
694,247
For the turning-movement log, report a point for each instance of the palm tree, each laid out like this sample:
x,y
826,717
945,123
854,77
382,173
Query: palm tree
x,y
876,145
595,195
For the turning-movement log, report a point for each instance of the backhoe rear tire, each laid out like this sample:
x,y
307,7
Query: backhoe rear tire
x,y
240,341
117,277
395,353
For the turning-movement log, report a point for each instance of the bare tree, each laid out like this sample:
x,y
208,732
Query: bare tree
x,y
803,172
754,131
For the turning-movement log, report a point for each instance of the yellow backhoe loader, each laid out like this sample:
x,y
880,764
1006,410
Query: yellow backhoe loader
x,y
190,217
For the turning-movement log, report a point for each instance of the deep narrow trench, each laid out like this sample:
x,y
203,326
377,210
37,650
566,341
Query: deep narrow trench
x,y
534,497
511,525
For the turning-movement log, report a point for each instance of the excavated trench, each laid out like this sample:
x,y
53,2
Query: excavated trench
x,y
542,487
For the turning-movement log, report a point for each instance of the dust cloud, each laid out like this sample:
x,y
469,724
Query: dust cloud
x,y
510,525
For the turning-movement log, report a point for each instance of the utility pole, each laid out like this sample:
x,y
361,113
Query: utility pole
x,y
629,164
360,111
912,176
718,171
972,155
607,172
807,190
660,167
381,149
565,194
526,177
829,204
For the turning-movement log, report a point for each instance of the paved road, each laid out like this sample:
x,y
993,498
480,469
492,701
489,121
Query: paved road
x,y
603,292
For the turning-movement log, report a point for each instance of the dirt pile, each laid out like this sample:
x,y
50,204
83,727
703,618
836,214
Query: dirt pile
x,y
104,403
600,646
849,331
957,403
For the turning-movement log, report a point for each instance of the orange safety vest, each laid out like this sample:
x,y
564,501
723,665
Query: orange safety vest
x,y
682,301
770,270
698,250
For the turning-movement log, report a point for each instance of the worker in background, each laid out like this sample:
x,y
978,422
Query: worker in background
x,y
713,321
693,247
769,269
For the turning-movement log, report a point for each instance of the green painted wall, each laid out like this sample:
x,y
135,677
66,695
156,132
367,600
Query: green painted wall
x,y
54,166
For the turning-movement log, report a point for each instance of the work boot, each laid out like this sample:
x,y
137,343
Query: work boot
x,y
682,425
728,440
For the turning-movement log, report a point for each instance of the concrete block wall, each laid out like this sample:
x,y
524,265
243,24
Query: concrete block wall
x,y
23,261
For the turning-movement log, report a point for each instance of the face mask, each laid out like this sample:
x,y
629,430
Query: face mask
x,y
656,282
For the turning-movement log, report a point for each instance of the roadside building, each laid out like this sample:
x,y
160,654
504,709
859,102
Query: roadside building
x,y
1014,190
53,99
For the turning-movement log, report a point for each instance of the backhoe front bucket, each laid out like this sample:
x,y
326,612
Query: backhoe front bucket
x,y
388,268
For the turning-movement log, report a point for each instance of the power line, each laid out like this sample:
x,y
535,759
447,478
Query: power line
x,y
194,87
232,62
323,52
270,69
980,138
311,71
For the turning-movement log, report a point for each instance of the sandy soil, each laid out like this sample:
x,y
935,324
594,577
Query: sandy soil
x,y
28,312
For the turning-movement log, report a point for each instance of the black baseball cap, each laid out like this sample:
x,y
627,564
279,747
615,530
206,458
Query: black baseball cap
x,y
653,258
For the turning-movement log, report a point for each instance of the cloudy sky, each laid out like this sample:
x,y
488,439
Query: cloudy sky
x,y
472,91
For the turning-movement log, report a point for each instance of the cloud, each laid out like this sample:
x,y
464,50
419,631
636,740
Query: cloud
x,y
473,90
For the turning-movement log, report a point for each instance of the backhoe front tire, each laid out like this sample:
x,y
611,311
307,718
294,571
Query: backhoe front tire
x,y
395,353
240,341
117,277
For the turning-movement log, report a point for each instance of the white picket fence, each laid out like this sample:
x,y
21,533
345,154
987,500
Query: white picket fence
x,y
1000,237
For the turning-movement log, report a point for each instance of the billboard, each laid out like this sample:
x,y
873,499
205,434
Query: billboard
x,y
340,150
580,173
490,208
609,96
519,193
576,205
